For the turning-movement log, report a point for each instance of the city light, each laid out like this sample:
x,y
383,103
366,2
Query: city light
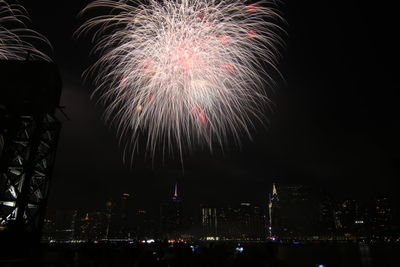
x,y
244,221
239,249
303,171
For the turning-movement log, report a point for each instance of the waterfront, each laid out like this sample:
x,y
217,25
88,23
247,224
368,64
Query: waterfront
x,y
219,254
318,161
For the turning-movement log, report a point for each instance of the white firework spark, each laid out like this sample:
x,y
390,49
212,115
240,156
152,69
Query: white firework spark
x,y
17,41
185,72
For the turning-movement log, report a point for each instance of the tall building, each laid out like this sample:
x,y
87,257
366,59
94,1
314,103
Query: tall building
x,y
381,217
240,222
294,211
65,223
251,222
229,222
326,223
125,216
209,223
177,208
109,217
93,226
171,216
352,219
145,225
273,213
49,227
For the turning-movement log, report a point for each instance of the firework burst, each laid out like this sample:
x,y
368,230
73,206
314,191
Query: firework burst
x,y
184,72
16,40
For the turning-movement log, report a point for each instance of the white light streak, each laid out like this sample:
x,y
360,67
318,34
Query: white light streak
x,y
17,41
184,72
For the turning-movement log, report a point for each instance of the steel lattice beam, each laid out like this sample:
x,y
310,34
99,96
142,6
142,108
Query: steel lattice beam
x,y
29,134
28,157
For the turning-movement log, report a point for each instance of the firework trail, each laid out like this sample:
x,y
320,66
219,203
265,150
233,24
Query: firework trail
x,y
184,72
16,40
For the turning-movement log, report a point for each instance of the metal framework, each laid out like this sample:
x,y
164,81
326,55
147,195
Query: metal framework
x,y
29,134
28,157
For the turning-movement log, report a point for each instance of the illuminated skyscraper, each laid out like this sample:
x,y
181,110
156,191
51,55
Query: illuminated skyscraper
x,y
241,222
294,211
273,213
209,223
171,216
177,208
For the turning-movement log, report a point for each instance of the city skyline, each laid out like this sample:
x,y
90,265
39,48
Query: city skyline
x,y
333,121
298,212
314,182
265,197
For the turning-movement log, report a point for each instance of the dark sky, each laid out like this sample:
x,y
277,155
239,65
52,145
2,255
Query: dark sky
x,y
335,121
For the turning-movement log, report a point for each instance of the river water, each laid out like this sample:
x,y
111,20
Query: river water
x,y
329,255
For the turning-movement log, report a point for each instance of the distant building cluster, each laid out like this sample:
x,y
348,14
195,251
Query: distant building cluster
x,y
303,212
115,221
292,212
242,222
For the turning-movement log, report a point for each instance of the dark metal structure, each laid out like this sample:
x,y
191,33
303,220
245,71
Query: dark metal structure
x,y
29,96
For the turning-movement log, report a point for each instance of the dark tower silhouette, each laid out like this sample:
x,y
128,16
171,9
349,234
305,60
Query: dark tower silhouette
x,y
125,231
29,95
171,216
274,213
109,212
177,208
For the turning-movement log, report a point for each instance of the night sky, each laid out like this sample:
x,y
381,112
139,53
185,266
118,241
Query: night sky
x,y
335,122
